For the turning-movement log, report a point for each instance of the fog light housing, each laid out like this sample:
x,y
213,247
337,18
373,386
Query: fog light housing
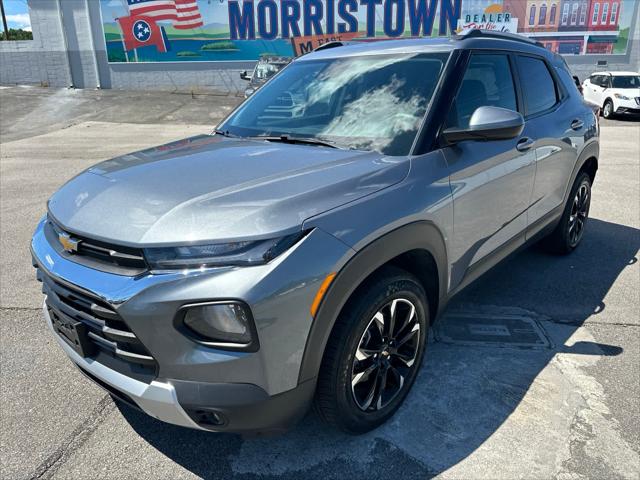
x,y
220,324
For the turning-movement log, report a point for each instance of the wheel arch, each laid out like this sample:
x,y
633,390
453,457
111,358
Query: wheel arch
x,y
587,161
418,248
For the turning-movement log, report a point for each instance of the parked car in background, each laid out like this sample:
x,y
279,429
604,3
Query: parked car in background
x,y
302,252
266,68
616,93
576,80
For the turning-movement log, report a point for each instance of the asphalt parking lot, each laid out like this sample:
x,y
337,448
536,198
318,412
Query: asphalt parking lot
x,y
566,407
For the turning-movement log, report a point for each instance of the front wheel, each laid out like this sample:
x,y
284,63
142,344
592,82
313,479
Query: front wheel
x,y
569,232
374,353
607,110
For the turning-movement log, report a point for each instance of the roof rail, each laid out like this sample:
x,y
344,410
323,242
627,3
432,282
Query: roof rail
x,y
328,45
477,33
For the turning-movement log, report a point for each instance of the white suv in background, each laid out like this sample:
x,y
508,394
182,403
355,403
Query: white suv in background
x,y
614,92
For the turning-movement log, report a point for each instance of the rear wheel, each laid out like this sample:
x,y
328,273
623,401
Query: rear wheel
x,y
569,232
374,353
607,110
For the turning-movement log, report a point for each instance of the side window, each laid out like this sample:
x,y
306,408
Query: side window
x,y
487,82
540,92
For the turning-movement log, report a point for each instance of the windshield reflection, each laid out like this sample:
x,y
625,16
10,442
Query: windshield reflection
x,y
373,102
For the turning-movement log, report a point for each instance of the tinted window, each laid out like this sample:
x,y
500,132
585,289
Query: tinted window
x,y
487,82
538,87
373,102
626,82
600,81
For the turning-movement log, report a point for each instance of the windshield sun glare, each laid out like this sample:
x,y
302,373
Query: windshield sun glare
x,y
373,102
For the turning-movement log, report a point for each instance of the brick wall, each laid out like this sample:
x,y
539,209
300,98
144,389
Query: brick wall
x,y
41,61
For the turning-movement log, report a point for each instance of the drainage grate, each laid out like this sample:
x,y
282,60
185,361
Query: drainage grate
x,y
462,328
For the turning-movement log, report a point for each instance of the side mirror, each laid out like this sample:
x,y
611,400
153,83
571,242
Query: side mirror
x,y
488,123
245,76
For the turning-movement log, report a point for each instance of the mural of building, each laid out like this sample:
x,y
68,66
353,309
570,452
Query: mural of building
x,y
604,15
517,8
541,16
604,18
573,15
574,27
135,44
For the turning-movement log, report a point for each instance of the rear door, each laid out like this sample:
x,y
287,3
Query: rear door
x,y
491,181
559,125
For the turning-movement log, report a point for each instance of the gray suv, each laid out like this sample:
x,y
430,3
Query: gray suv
x,y
299,254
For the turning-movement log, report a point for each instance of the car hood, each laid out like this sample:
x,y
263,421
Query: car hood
x,y
211,187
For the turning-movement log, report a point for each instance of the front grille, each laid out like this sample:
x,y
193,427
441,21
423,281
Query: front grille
x,y
96,254
108,338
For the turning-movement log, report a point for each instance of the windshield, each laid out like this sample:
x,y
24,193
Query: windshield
x,y
373,102
626,82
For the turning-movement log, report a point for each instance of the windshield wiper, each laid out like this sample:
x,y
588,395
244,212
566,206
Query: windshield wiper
x,y
295,140
225,133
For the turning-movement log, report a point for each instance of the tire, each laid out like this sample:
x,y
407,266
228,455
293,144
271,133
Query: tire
x,y
607,109
361,352
567,235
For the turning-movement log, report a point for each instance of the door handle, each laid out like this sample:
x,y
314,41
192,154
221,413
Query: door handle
x,y
524,144
577,124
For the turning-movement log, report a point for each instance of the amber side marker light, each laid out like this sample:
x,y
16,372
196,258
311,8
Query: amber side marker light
x,y
321,292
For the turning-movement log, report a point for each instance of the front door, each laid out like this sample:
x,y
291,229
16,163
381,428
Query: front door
x,y
598,87
491,181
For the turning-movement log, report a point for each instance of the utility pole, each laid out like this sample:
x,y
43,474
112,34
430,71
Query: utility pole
x,y
4,21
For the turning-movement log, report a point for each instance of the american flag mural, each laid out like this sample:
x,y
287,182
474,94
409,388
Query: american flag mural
x,y
184,14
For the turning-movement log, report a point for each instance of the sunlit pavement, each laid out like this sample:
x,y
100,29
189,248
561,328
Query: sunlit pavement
x,y
533,372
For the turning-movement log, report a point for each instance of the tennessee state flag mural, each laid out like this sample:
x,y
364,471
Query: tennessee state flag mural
x,y
142,32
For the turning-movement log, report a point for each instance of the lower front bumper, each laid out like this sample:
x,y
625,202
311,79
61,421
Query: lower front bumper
x,y
224,407
622,110
157,399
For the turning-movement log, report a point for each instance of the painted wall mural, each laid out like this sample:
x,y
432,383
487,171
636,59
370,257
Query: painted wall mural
x,y
247,30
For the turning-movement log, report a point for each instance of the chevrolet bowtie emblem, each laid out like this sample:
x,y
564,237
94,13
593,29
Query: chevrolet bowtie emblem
x,y
68,243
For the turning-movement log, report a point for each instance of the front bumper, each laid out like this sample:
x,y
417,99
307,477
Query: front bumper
x,y
191,382
628,111
627,107
157,399
204,406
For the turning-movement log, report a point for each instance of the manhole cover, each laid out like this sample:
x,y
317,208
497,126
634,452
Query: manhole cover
x,y
491,330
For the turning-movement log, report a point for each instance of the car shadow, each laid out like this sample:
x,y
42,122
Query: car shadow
x,y
463,394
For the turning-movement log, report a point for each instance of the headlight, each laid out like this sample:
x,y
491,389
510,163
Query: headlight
x,y
219,254
219,324
621,97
